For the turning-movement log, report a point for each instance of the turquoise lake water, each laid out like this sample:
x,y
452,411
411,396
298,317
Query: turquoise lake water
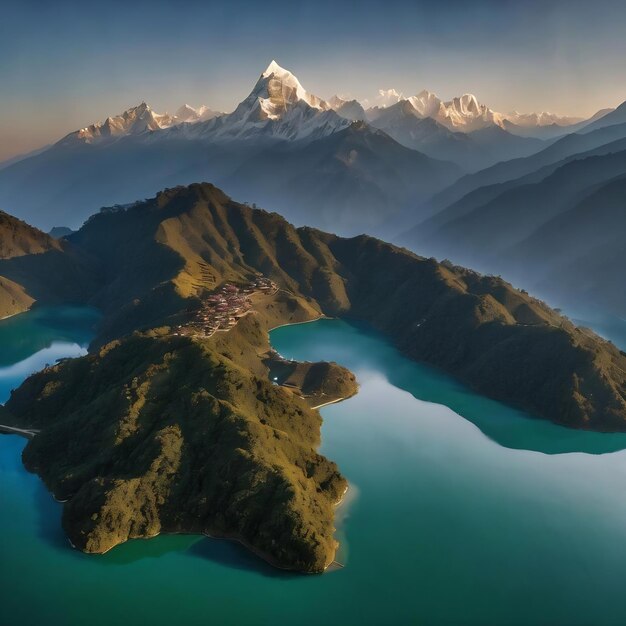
x,y
461,511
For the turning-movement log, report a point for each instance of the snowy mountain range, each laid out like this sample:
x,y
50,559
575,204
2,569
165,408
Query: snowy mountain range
x,y
188,114
138,120
465,113
528,120
280,108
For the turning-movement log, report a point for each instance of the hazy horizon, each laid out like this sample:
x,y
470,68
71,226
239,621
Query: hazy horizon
x,y
67,66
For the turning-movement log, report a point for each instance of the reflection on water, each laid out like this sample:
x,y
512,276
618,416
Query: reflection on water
x,y
23,335
505,425
30,341
11,376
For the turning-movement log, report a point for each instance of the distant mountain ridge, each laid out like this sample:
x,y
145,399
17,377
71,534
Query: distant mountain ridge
x,y
610,118
597,141
554,228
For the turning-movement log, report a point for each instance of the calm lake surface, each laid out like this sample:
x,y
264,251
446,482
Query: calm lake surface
x,y
461,511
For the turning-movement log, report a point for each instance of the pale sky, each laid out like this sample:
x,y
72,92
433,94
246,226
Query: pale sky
x,y
64,65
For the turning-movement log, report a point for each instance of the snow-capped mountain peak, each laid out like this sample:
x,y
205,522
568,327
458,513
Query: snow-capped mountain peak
x,y
136,120
348,109
387,98
278,88
191,115
133,121
187,112
467,104
274,68
336,101
278,107
467,113
425,103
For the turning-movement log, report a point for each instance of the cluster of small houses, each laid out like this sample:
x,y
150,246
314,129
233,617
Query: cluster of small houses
x,y
223,309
